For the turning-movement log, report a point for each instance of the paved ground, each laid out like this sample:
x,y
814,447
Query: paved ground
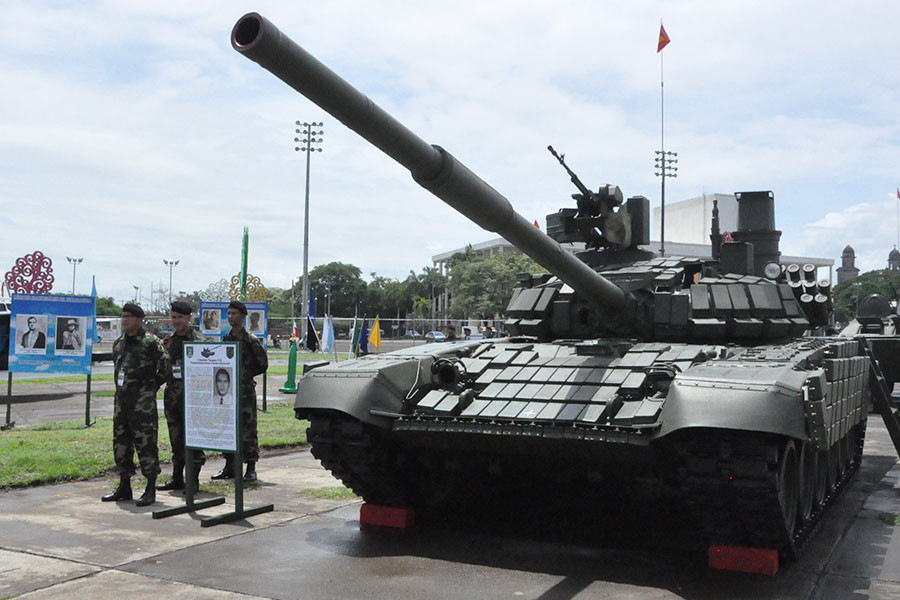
x,y
60,542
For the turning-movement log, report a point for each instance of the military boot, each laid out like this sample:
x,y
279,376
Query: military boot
x,y
227,471
177,481
250,474
123,492
149,495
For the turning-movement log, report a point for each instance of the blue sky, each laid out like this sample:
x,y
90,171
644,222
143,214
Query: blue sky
x,y
132,132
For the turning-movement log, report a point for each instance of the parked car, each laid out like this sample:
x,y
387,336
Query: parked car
x,y
435,336
412,333
475,336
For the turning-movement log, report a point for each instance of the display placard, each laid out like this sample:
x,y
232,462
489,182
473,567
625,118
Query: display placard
x,y
211,401
51,333
214,320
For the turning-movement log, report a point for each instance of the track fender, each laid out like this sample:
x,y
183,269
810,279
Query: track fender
x,y
363,389
713,398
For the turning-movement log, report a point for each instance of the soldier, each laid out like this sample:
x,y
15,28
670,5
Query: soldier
x,y
140,368
174,396
253,362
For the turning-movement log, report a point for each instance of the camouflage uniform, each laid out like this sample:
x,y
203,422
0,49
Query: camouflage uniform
x,y
174,394
141,366
253,362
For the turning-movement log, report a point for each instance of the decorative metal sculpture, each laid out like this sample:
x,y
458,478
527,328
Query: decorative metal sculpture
x,y
216,292
256,291
32,274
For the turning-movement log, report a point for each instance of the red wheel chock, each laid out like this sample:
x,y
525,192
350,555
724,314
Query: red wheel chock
x,y
386,516
763,561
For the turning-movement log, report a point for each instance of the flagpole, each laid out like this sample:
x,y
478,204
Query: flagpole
x,y
665,161
662,148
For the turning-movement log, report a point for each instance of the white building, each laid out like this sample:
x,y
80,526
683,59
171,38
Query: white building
x,y
689,221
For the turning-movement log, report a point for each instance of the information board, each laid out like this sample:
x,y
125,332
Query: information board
x,y
214,320
211,376
51,333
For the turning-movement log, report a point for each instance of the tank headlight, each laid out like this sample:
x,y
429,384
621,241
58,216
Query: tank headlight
x,y
772,270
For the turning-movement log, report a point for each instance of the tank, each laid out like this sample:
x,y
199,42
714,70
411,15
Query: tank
x,y
703,381
878,322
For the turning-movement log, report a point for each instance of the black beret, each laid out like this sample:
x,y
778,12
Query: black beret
x,y
237,305
133,309
182,308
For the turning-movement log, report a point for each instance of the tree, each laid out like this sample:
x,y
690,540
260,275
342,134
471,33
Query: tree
x,y
280,302
341,281
482,286
107,307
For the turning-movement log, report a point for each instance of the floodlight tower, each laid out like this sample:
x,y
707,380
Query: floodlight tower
x,y
74,261
171,264
309,143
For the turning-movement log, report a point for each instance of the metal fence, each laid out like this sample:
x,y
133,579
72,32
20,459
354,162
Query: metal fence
x,y
391,329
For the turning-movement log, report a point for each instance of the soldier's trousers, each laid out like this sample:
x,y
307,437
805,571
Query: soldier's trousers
x,y
135,428
249,442
174,410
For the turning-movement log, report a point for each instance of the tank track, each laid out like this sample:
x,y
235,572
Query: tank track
x,y
729,481
361,456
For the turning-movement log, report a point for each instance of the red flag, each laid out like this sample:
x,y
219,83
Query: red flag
x,y
663,39
538,226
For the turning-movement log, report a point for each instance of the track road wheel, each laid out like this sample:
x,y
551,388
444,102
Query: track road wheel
x,y
789,487
823,477
808,481
834,460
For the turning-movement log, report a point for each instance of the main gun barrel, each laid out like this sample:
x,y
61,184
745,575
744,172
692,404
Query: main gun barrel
x,y
432,167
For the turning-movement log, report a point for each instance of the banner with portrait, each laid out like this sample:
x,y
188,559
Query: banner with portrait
x,y
51,333
214,320
211,406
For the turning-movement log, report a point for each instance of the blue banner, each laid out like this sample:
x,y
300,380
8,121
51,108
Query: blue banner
x,y
214,320
51,333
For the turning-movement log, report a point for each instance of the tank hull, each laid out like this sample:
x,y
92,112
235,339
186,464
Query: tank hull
x,y
658,418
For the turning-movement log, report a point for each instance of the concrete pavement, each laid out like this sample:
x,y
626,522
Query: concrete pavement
x,y
61,542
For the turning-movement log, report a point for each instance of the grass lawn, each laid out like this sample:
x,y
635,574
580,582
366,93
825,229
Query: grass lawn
x,y
54,452
890,518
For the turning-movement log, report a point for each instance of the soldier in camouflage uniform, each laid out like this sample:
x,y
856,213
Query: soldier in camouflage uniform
x,y
140,368
174,396
253,362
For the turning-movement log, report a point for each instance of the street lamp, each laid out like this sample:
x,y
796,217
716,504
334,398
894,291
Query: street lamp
x,y
75,261
171,264
310,143
665,167
137,293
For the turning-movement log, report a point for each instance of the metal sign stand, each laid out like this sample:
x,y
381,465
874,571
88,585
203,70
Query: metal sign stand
x,y
189,491
9,424
87,404
265,376
239,511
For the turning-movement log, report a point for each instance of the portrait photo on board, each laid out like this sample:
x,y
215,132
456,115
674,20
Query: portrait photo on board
x,y
256,322
210,320
70,335
31,334
223,390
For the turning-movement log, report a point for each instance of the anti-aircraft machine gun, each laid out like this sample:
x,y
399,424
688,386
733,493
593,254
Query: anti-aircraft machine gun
x,y
689,375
